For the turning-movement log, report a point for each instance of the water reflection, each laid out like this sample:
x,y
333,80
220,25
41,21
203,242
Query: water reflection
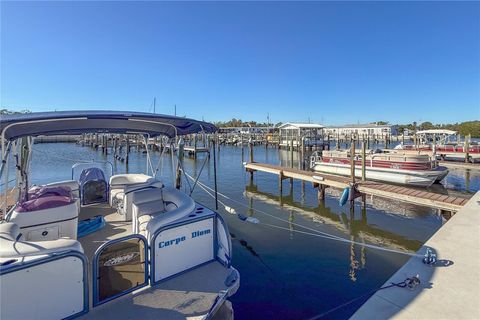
x,y
359,229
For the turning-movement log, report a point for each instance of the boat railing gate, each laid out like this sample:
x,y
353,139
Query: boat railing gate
x,y
11,268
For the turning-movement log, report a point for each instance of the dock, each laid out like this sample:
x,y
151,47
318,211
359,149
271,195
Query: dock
x,y
450,289
192,150
321,181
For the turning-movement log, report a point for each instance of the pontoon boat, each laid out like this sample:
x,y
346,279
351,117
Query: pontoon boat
x,y
414,170
144,250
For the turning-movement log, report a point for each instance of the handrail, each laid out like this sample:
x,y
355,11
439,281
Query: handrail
x,y
92,162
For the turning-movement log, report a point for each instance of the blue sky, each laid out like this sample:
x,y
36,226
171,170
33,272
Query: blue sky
x,y
330,62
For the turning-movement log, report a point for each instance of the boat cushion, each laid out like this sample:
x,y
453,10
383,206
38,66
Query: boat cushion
x,y
122,180
139,194
10,248
151,207
45,191
44,213
72,184
42,202
184,205
9,231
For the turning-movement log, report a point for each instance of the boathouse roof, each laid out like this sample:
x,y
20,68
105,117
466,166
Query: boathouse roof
x,y
294,125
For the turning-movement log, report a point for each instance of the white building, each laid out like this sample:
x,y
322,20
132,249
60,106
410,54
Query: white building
x,y
362,129
245,130
310,133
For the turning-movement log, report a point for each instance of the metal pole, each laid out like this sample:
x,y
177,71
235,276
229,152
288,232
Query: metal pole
x,y
215,175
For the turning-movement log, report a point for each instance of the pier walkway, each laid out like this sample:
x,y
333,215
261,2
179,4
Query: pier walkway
x,y
394,192
446,291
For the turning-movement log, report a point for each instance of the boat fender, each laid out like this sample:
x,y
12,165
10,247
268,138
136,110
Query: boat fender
x,y
248,219
345,196
242,217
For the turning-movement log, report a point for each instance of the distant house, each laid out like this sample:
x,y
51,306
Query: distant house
x,y
308,133
362,129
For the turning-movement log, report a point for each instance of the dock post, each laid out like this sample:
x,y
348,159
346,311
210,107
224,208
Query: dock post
x,y
364,154
466,147
114,150
178,173
106,145
321,192
250,145
291,160
194,145
352,162
127,151
280,183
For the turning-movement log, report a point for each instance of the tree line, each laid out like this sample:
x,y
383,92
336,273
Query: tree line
x,y
463,128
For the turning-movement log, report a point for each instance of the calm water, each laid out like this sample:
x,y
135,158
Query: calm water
x,y
285,273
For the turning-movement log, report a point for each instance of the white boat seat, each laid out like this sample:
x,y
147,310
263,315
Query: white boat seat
x,y
10,247
151,207
144,203
178,205
47,221
136,192
119,182
144,212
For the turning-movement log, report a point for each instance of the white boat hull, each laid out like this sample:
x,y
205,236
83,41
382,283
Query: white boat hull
x,y
405,177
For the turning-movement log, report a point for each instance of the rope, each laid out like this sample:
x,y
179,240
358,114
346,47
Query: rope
x,y
410,282
317,233
1,185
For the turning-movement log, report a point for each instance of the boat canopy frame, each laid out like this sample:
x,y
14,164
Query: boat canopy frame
x,y
31,125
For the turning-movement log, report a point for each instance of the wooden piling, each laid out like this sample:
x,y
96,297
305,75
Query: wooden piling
x,y
280,183
352,162
291,160
364,155
127,150
466,147
250,145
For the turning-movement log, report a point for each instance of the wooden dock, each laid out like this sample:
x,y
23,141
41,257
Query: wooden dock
x,y
191,150
321,181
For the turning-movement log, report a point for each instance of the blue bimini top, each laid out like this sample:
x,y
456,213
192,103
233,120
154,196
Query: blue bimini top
x,y
78,122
